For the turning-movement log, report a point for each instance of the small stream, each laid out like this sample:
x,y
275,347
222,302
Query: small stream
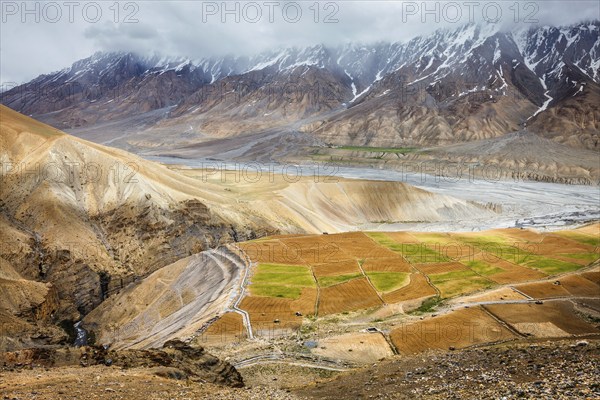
x,y
82,335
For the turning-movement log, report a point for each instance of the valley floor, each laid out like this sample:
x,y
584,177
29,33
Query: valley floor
x,y
516,202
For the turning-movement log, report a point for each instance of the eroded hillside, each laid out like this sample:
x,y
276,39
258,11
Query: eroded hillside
x,y
81,221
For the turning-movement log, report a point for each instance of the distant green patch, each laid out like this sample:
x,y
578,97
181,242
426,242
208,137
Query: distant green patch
x,y
384,240
334,280
281,269
551,266
516,254
483,268
420,253
388,281
397,150
279,280
456,287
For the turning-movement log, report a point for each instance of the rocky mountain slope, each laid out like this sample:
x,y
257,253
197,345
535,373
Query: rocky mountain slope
x,y
175,360
505,371
471,82
80,222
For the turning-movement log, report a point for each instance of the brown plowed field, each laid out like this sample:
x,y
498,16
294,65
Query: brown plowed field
x,y
417,288
353,295
553,244
543,290
264,311
577,285
306,302
229,328
389,264
346,267
502,294
592,230
272,252
592,275
560,314
358,245
458,329
520,235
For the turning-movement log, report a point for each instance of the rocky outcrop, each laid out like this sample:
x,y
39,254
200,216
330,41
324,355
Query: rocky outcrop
x,y
176,360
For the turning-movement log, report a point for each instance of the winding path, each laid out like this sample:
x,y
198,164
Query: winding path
x,y
247,265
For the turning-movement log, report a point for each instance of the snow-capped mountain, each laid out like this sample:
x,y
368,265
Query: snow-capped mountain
x,y
472,82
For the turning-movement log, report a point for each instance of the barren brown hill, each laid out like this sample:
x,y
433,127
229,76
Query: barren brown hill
x,y
84,220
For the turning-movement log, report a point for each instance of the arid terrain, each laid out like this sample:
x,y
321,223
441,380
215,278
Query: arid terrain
x,y
320,284
409,218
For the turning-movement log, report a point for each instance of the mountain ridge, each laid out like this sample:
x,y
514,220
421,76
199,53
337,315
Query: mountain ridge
x,y
413,92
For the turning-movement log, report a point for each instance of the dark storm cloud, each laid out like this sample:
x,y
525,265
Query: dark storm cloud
x,y
32,43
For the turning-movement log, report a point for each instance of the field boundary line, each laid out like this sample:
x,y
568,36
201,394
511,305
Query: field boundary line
x,y
312,272
521,293
370,283
437,291
390,343
508,326
247,262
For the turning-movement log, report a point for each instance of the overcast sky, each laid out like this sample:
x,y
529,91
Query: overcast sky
x,y
47,36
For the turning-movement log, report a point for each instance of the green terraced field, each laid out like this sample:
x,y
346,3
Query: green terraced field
x,y
589,257
412,252
551,266
448,276
279,280
388,281
483,268
325,281
267,290
287,281
454,287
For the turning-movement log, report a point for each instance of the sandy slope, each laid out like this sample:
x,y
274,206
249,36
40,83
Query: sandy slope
x,y
306,204
172,302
